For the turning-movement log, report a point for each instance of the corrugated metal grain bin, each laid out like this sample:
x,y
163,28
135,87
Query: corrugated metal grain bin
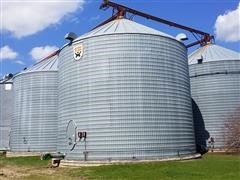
x,y
127,86
6,110
215,87
34,125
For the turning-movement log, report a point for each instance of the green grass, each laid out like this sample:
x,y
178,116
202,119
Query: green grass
x,y
33,161
211,166
214,167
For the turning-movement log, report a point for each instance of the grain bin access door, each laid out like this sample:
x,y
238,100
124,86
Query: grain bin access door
x,y
71,135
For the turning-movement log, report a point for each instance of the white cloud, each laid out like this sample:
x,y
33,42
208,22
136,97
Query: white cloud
x,y
227,26
7,53
23,18
75,20
20,62
38,53
95,18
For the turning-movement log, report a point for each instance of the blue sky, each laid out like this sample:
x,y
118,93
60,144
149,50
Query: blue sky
x,y
30,30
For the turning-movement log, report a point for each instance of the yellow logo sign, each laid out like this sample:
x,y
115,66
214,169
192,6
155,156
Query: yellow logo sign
x,y
78,51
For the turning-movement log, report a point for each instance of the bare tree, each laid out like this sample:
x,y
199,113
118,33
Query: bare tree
x,y
232,133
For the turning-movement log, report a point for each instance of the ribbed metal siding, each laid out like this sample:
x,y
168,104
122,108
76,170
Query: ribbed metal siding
x,y
6,110
131,93
34,126
215,86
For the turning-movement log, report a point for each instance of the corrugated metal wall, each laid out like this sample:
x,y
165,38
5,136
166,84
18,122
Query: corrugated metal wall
x,y
131,94
6,111
215,86
34,125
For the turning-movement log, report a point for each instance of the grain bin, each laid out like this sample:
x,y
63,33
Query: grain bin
x,y
34,125
126,87
215,87
6,110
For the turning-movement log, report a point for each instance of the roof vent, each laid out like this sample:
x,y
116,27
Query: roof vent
x,y
8,76
181,37
200,60
70,36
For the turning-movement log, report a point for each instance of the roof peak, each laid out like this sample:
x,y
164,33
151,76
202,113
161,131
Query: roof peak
x,y
50,63
212,52
121,26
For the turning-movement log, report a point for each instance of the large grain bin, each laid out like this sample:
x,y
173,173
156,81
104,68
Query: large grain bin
x,y
215,87
126,86
6,110
34,125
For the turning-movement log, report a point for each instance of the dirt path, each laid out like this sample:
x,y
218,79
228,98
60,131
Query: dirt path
x,y
16,172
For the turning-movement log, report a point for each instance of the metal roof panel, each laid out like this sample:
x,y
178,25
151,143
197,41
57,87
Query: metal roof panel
x,y
120,26
212,52
50,63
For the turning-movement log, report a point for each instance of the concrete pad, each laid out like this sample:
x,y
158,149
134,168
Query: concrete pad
x,y
73,163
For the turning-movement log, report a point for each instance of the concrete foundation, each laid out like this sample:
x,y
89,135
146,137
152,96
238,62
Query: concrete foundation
x,y
67,163
22,154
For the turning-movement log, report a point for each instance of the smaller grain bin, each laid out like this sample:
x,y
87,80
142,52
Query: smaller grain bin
x,y
35,108
215,87
6,110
